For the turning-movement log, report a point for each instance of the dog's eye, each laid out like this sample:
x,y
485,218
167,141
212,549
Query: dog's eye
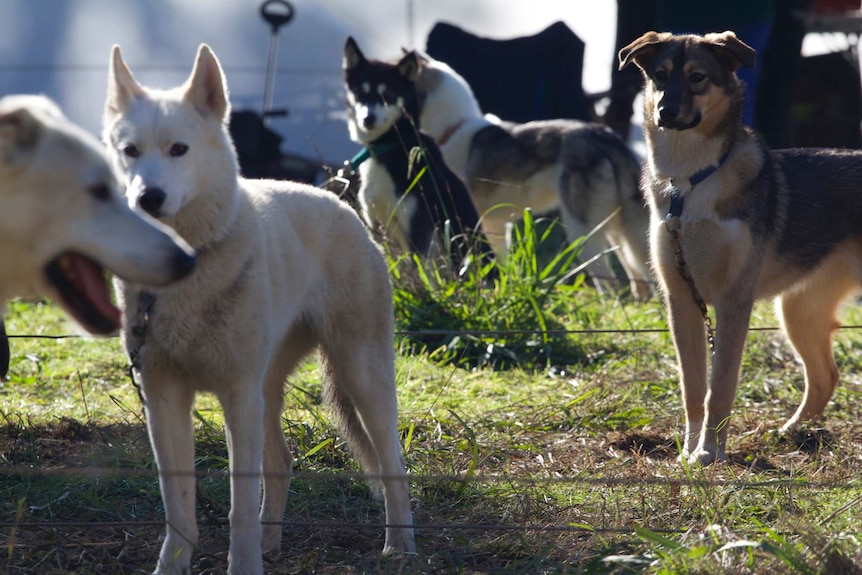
x,y
132,151
696,78
178,150
660,75
100,191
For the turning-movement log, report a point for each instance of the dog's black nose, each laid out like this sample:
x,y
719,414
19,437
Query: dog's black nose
x,y
668,113
369,121
183,264
152,200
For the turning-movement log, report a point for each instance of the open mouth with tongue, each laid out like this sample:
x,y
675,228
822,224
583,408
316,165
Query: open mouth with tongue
x,y
82,290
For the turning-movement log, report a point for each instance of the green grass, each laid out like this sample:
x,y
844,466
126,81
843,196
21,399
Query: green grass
x,y
552,451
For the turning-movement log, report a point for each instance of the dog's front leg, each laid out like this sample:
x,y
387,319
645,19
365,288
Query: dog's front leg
x,y
732,315
689,339
168,404
243,410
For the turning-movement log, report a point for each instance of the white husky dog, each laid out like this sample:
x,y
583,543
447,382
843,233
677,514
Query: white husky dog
x,y
582,168
63,220
284,269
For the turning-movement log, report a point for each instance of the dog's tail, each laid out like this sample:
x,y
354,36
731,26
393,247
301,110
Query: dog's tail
x,y
348,417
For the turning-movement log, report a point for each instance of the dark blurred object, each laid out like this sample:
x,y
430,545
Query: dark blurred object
x,y
259,152
826,110
780,65
634,17
520,79
4,351
836,5
258,147
813,100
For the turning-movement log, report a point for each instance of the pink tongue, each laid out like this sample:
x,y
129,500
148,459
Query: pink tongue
x,y
92,283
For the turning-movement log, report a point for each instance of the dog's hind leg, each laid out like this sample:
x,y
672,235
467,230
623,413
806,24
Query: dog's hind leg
x,y
277,458
168,404
361,387
633,257
243,404
808,317
632,234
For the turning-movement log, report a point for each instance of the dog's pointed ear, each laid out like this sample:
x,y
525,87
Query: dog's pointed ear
x,y
408,66
122,86
206,87
742,54
353,56
20,131
643,49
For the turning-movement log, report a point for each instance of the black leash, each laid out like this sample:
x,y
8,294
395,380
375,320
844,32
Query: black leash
x,y
5,355
146,301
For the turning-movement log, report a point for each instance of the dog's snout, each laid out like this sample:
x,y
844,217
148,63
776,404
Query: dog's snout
x,y
369,121
668,113
152,200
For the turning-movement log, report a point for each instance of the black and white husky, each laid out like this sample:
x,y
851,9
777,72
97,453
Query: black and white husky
x,y
406,188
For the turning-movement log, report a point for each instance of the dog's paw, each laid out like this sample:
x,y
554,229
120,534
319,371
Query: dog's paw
x,y
271,542
402,543
174,560
789,426
705,456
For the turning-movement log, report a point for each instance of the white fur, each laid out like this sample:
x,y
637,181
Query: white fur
x,y
48,169
284,269
381,204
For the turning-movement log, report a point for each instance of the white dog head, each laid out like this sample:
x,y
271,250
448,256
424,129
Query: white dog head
x,y
171,145
63,220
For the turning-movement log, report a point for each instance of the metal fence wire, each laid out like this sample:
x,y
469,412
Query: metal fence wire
x,y
26,471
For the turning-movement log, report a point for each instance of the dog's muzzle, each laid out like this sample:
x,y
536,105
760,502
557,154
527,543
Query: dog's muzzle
x,y
668,117
151,200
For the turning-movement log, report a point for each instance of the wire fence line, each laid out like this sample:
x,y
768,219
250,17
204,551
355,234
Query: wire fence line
x,y
586,529
795,484
476,332
507,478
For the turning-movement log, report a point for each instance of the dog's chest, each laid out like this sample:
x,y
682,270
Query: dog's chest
x,y
716,249
383,204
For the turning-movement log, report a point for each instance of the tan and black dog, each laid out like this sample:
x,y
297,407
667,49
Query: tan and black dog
x,y
750,223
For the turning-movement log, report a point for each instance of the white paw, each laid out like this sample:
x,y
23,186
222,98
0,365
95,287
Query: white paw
x,y
401,542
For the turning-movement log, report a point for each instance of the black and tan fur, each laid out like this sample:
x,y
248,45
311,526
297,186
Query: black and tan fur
x,y
783,224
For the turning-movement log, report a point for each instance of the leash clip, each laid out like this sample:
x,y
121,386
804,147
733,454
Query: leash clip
x,y
671,221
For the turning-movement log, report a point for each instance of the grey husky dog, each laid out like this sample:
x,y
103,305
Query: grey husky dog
x,y
734,222
284,269
582,168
